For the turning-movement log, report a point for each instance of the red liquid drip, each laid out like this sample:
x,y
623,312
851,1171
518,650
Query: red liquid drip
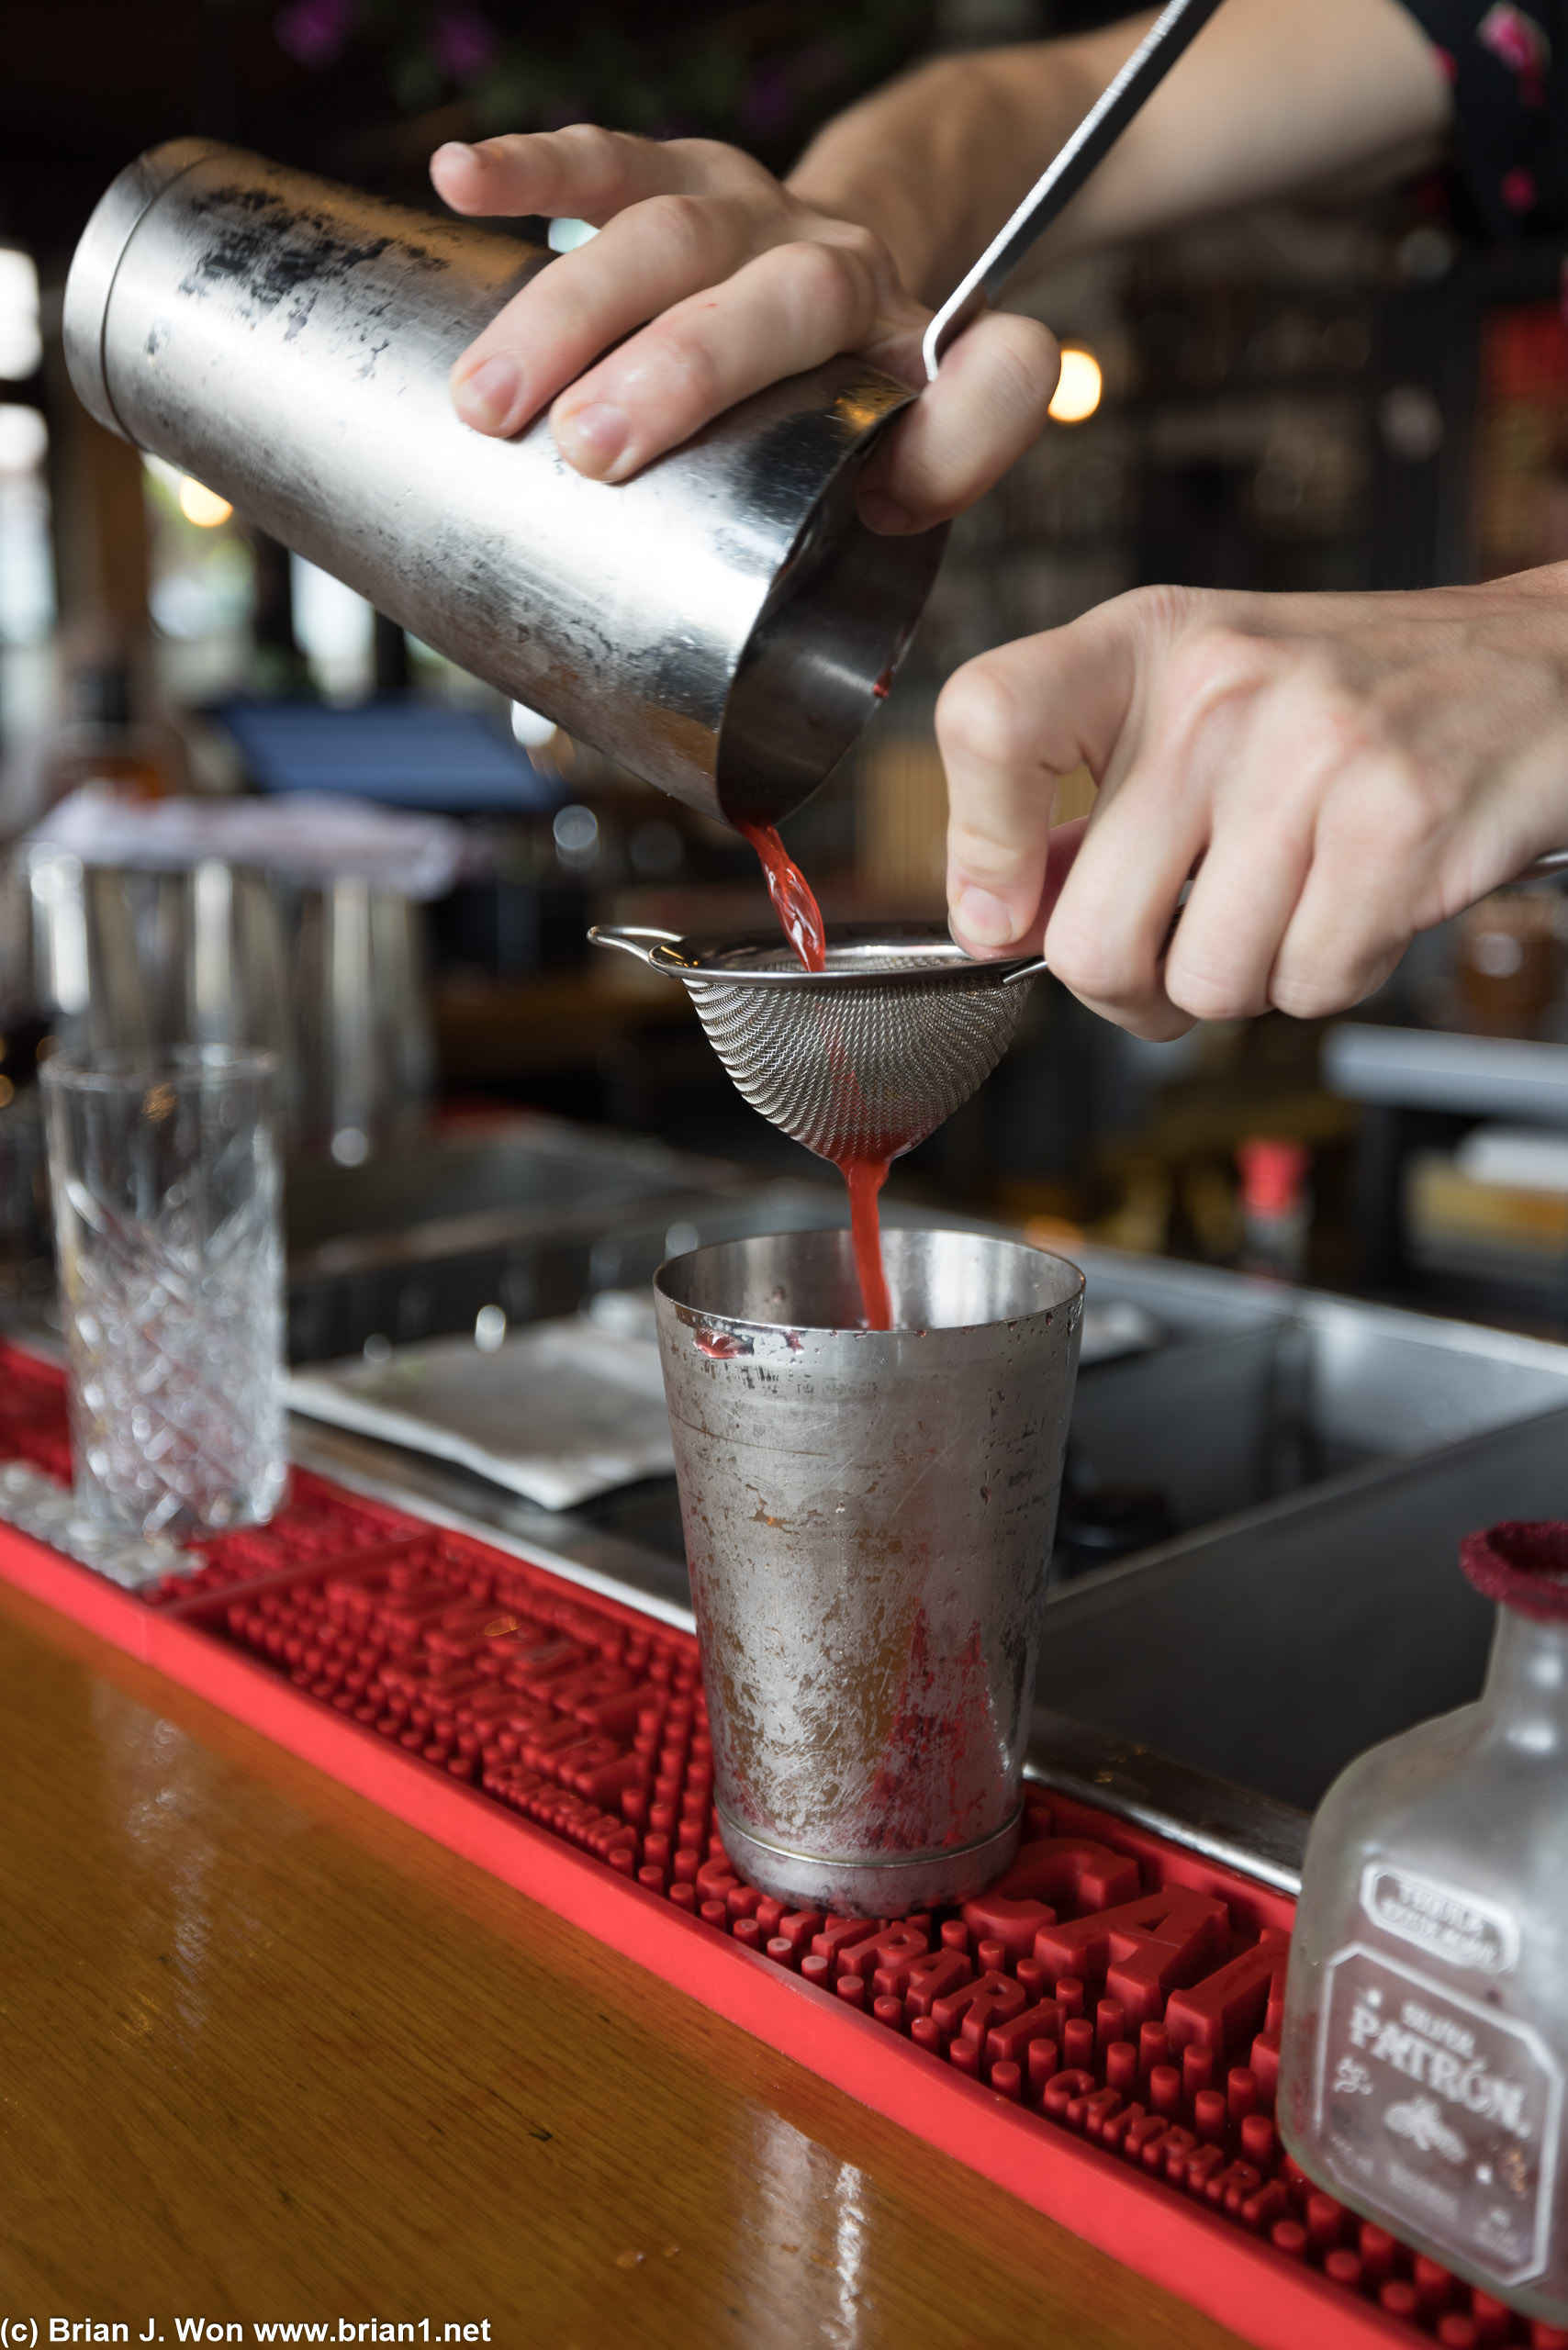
x,y
865,1177
798,912
801,920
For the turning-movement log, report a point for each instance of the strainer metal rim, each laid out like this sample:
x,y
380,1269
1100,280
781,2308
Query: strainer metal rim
x,y
695,957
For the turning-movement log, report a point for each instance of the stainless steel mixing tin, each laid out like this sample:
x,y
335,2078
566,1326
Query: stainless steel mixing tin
x,y
330,977
868,1518
723,623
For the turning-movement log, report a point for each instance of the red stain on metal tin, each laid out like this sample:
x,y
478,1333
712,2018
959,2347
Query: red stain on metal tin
x,y
720,1346
942,1704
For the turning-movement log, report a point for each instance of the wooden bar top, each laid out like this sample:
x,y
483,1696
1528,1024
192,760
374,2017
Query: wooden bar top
x,y
266,2055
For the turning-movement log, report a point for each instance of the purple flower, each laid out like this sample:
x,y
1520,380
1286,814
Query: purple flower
x,y
1519,42
314,31
463,40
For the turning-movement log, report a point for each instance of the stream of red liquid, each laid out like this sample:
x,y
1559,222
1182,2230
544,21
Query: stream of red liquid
x,y
801,919
865,1177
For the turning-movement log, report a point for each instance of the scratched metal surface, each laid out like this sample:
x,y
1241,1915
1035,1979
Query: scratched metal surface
x,y
721,622
869,1519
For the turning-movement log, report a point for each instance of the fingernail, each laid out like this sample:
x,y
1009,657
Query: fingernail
x,y
593,437
884,514
490,395
984,917
457,147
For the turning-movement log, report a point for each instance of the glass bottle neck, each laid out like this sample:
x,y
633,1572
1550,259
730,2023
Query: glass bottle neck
x,y
1527,1681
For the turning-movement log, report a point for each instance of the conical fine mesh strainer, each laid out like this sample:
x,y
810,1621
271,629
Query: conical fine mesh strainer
x,y
861,1061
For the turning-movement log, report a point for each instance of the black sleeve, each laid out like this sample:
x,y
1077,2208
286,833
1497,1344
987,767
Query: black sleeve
x,y
1509,70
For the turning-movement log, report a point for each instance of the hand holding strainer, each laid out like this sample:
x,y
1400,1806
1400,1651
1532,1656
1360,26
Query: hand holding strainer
x,y
861,1061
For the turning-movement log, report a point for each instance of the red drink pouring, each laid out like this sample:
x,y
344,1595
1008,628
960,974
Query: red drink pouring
x,y
801,919
865,1177
794,902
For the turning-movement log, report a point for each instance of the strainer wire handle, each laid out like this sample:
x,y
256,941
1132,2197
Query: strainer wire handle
x,y
634,938
1026,971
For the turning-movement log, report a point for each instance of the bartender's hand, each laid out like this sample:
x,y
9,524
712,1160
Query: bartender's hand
x,y
708,280
1337,772
711,279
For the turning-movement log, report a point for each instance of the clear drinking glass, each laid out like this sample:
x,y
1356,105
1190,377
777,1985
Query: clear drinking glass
x,y
164,1177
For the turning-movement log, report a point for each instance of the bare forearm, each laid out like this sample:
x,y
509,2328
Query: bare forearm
x,y
1275,97
936,161
711,280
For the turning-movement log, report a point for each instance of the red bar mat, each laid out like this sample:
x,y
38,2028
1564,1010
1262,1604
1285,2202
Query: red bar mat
x,y
1098,2034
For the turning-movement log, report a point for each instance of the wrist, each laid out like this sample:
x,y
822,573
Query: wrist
x,y
872,165
934,164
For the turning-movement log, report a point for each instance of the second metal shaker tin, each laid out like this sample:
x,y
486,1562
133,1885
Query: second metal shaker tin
x,y
867,1518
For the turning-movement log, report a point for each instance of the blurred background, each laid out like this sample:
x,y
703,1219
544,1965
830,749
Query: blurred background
x,y
1297,400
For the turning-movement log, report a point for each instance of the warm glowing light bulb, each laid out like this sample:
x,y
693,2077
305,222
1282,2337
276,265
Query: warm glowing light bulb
x,y
1078,390
202,506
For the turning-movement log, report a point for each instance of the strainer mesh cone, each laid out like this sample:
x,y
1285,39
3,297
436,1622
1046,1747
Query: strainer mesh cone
x,y
864,1059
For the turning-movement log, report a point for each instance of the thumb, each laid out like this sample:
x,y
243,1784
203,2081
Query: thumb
x,y
1010,725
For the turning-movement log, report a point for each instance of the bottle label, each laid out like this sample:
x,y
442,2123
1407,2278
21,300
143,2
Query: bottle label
x,y
1438,2111
1453,1926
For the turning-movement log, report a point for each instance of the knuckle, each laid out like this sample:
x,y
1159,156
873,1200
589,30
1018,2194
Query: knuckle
x,y
1417,802
1083,963
827,282
1312,995
681,352
1162,610
863,249
1211,995
615,146
982,719
1215,662
1155,1022
715,161
1380,811
1314,984
681,224
590,146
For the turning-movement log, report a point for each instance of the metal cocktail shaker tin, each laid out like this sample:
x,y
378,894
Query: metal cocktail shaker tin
x,y
868,1518
723,623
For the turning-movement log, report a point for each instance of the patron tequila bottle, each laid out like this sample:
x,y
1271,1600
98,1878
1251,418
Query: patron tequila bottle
x,y
1426,2034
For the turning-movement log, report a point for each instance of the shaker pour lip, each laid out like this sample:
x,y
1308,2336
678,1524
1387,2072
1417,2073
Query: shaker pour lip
x,y
837,618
